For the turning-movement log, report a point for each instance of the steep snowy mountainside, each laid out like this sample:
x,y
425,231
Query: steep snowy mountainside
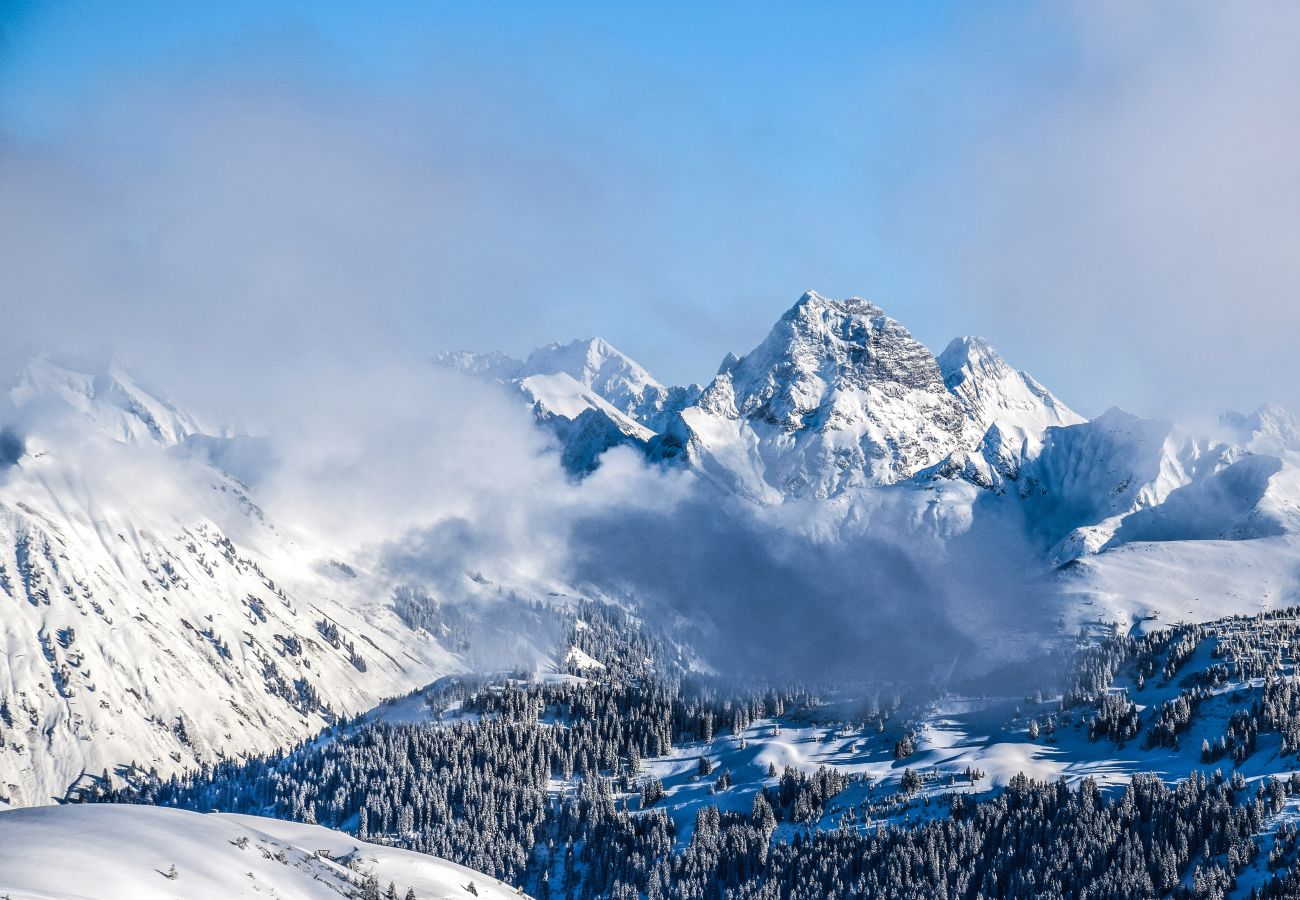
x,y
992,392
838,396
1269,429
140,852
1120,479
111,400
559,395
151,611
1007,412
586,392
597,367
617,378
584,424
1088,477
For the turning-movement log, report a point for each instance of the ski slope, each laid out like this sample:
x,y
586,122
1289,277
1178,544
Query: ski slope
x,y
143,852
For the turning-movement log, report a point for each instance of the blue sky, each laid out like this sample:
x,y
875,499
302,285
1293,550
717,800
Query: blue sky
x,y
409,177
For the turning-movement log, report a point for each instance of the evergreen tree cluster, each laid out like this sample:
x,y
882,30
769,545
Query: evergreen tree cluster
x,y
540,784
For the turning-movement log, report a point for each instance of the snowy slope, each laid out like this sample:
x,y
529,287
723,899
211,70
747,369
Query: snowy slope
x,y
1007,413
1120,479
151,612
993,393
111,401
141,852
561,396
1184,581
1269,429
614,376
587,393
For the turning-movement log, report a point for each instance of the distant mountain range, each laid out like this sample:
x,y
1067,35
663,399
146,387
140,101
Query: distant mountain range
x,y
840,399
154,612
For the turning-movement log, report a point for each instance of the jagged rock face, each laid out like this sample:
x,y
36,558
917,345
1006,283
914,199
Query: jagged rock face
x,y
837,396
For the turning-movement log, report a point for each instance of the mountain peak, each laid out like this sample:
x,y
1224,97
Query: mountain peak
x,y
838,342
811,301
1270,427
586,391
597,364
994,393
110,399
494,366
968,354
838,395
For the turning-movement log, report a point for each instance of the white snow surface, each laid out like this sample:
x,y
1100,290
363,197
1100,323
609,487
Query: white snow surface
x,y
104,852
566,379
110,400
559,394
993,393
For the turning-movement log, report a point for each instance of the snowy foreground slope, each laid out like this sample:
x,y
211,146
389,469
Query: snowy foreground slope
x,y
142,852
1134,765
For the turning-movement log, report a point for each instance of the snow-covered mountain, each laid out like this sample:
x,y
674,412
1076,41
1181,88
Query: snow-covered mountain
x,y
840,403
1269,429
140,852
1007,412
589,394
150,610
155,612
837,396
615,377
111,401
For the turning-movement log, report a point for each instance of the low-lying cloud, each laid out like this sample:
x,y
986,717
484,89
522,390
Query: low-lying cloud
x,y
428,478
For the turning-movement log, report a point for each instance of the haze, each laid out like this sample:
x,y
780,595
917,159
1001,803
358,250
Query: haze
x,y
1108,192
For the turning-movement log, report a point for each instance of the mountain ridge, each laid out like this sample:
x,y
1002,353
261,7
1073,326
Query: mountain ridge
x,y
143,578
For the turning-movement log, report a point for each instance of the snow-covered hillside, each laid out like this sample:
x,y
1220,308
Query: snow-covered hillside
x,y
141,852
1007,413
150,611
